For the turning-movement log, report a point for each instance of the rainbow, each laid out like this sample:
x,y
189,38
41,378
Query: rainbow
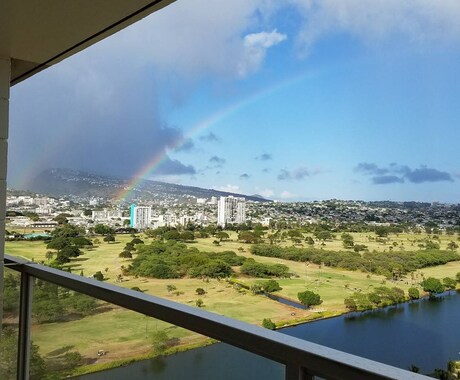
x,y
155,161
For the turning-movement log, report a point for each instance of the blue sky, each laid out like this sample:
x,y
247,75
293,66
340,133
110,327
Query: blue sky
x,y
339,99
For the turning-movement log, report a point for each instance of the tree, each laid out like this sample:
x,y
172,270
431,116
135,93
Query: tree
x,y
99,276
347,240
359,247
248,237
268,324
172,235
309,298
270,286
323,235
72,359
432,286
452,246
102,229
170,288
159,341
222,236
199,302
187,236
382,231
414,294
457,276
350,304
449,283
82,242
109,238
70,251
47,306
431,245
58,243
49,255
61,219
125,255
200,291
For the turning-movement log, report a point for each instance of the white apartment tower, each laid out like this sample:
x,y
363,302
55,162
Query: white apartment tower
x,y
231,210
140,217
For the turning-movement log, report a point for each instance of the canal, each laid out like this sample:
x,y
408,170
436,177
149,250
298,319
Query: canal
x,y
424,333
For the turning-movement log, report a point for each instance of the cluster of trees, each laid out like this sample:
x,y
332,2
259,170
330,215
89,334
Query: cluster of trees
x,y
434,286
169,233
250,237
68,241
50,303
130,247
171,259
268,286
379,297
255,269
391,264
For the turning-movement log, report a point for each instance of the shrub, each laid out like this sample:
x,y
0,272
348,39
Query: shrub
x,y
268,324
309,298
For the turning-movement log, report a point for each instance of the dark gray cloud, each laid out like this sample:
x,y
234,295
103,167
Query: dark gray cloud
x,y
264,157
296,174
396,173
386,179
245,176
92,119
169,166
425,174
210,137
217,160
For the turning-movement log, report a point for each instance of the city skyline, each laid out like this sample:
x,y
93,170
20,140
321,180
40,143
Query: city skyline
x,y
292,102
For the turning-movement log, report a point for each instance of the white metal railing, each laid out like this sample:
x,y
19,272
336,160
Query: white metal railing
x,y
303,360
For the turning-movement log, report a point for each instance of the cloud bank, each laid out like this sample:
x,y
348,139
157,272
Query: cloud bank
x,y
395,173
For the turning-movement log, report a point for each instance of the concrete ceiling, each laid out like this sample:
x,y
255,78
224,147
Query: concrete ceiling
x,y
36,34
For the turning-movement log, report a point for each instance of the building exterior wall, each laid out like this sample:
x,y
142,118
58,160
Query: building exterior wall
x,y
141,216
231,210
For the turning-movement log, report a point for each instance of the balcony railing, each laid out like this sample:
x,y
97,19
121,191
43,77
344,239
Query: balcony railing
x,y
303,360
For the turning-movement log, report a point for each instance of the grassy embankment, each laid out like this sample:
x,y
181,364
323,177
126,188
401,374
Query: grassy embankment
x,y
125,334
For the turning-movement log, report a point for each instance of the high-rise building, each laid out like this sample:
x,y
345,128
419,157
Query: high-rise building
x,y
140,216
231,210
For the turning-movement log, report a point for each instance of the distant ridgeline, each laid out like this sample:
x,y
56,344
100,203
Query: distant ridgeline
x,y
61,182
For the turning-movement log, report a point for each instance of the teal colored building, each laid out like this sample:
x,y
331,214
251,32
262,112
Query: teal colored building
x,y
132,208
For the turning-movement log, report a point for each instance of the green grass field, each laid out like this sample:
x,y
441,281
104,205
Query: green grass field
x,y
125,334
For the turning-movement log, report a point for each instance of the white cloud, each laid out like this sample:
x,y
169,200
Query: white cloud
x,y
266,193
287,195
255,49
200,37
375,21
228,188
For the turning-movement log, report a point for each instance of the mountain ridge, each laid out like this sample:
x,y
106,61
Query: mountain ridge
x,y
60,182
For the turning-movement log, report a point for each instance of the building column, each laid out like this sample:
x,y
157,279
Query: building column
x,y
5,73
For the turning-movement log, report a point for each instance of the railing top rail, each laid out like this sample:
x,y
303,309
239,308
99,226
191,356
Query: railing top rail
x,y
319,360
